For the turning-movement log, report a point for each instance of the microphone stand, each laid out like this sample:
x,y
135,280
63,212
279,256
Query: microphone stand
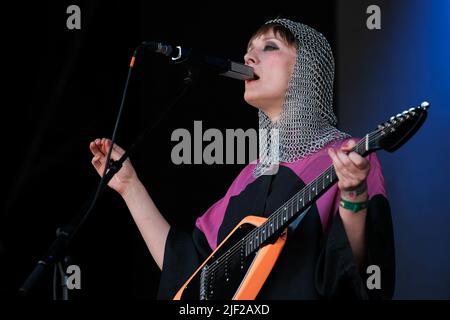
x,y
57,250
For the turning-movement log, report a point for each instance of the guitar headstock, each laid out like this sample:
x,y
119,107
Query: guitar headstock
x,y
392,134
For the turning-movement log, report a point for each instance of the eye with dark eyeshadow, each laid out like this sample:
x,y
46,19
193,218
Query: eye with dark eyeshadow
x,y
270,46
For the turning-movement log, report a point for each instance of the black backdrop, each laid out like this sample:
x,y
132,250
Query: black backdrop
x,y
66,89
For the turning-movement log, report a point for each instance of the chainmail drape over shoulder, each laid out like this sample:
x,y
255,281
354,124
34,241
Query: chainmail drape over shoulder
x,y
307,122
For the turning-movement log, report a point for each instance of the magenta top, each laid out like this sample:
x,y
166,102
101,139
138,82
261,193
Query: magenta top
x,y
307,169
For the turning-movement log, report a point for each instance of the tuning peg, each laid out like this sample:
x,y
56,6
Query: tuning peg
x,y
406,114
425,105
393,120
398,115
411,109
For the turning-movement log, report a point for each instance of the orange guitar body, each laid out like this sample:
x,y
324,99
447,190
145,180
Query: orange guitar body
x,y
260,266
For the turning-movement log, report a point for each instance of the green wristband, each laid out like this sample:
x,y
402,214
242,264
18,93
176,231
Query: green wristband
x,y
353,206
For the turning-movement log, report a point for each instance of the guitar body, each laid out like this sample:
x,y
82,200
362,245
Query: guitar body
x,y
238,277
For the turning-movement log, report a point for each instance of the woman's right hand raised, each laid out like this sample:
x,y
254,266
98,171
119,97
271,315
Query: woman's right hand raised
x,y
126,176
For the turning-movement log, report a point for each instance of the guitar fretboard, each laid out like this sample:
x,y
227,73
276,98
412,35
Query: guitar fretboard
x,y
284,215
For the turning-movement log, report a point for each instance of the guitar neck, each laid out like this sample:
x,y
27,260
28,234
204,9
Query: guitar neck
x,y
292,208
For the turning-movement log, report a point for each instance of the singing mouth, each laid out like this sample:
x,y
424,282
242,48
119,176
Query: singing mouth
x,y
255,77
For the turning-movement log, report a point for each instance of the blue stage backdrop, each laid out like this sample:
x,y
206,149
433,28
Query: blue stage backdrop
x,y
380,73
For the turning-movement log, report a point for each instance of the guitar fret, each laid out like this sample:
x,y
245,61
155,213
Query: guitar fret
x,y
286,213
323,183
259,236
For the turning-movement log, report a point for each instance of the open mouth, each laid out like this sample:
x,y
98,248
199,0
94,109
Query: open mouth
x,y
255,77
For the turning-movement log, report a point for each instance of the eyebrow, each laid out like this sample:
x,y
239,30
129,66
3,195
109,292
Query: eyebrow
x,y
250,45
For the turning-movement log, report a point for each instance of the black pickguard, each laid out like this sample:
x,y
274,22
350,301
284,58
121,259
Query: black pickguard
x,y
225,274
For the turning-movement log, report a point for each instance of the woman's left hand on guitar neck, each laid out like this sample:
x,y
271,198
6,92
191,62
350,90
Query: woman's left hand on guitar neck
x,y
352,171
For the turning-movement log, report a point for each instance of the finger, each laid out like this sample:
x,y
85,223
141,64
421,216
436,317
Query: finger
x,y
359,162
105,143
116,153
348,145
346,162
96,163
354,174
336,161
117,148
338,166
94,148
98,143
103,146
349,169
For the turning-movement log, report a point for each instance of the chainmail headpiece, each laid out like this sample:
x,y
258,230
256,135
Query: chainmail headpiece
x,y
307,122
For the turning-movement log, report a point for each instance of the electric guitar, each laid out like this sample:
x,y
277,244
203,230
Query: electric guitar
x,y
240,265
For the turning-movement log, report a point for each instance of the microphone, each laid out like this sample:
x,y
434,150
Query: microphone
x,y
223,67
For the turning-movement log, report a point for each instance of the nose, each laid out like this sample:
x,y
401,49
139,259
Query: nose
x,y
250,58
